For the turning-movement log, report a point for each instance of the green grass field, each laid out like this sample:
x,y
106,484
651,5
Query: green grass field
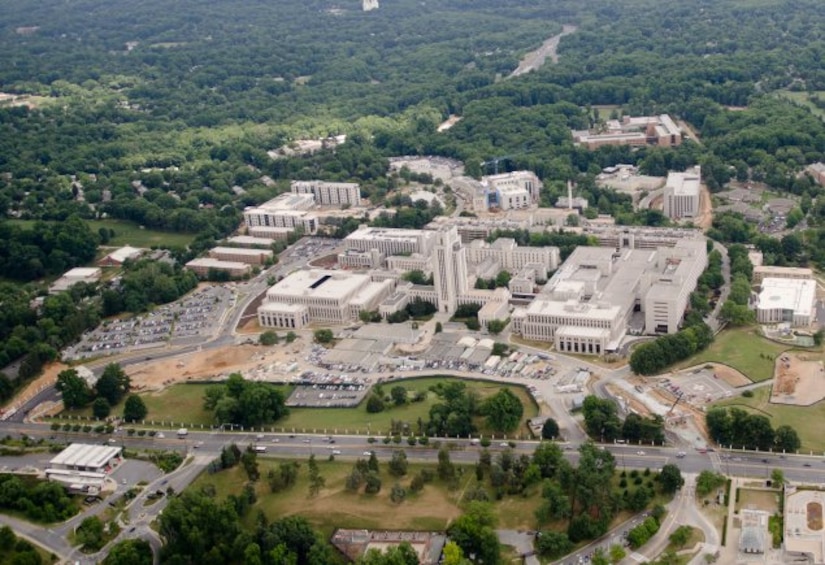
x,y
183,404
129,233
741,349
802,98
431,509
806,420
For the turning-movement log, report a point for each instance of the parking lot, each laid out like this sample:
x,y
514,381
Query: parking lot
x,y
323,390
195,316
699,387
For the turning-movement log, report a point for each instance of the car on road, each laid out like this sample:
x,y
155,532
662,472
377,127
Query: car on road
x,y
336,452
160,435
806,464
640,453
368,453
504,444
275,440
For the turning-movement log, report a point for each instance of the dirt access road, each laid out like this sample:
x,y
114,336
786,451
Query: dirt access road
x,y
535,59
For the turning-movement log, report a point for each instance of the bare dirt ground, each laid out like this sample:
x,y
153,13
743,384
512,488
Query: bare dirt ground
x,y
799,379
730,375
705,218
203,365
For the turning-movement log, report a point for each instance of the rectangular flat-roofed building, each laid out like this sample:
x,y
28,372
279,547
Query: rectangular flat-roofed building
x,y
73,276
391,241
587,304
86,457
241,255
333,297
203,265
249,241
682,193
786,301
284,211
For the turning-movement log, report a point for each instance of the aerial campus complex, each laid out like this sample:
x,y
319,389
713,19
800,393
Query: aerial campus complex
x,y
586,306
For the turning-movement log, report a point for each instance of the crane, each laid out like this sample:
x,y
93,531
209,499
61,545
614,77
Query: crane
x,y
496,160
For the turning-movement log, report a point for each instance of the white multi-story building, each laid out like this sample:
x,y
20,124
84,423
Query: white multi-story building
x,y
519,189
329,193
477,228
317,295
587,304
510,256
682,193
787,300
284,211
449,270
391,241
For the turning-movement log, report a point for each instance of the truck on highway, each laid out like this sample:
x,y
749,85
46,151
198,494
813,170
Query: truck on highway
x,y
183,432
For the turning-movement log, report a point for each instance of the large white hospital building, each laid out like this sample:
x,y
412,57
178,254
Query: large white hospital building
x,y
587,304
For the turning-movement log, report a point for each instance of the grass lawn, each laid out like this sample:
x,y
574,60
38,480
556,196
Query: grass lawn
x,y
806,420
741,349
130,233
431,509
758,499
183,404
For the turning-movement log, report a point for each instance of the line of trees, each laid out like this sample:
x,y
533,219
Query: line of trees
x,y
740,429
652,357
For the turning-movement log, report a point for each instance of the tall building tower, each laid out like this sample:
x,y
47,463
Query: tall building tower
x,y
449,269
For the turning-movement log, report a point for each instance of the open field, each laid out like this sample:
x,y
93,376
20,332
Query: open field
x,y
129,233
741,348
806,420
431,509
757,500
183,403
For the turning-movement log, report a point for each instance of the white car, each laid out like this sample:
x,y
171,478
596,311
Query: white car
x,y
504,444
160,435
368,453
640,453
336,452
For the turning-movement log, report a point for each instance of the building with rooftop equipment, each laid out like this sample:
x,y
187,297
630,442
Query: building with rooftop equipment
x,y
586,305
478,228
682,193
786,300
284,211
317,295
329,193
390,241
635,131
639,237
88,275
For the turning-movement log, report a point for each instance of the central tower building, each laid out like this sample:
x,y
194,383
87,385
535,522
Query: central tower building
x,y
449,269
